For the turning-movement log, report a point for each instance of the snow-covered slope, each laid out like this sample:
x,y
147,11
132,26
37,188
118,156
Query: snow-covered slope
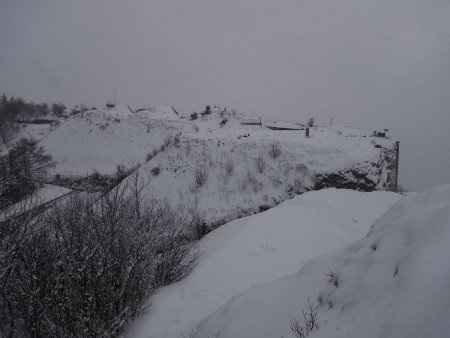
x,y
241,173
43,195
259,249
393,283
99,140
219,165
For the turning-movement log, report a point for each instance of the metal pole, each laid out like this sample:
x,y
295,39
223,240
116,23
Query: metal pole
x,y
397,154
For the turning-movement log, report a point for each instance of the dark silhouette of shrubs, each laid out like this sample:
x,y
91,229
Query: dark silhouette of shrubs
x,y
310,322
85,267
156,171
275,150
260,163
22,170
200,177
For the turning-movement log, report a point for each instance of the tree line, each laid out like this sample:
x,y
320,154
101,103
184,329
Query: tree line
x,y
17,110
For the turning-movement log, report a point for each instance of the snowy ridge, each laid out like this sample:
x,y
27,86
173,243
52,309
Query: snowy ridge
x,y
259,249
392,283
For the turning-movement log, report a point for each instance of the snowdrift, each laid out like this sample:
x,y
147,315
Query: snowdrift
x,y
259,249
393,283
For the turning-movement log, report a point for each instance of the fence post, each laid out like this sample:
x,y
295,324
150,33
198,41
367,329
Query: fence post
x,y
397,154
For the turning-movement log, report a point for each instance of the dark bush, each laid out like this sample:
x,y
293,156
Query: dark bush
x,y
200,176
156,171
22,170
275,150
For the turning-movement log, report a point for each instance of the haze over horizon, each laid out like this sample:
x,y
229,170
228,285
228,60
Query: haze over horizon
x,y
369,64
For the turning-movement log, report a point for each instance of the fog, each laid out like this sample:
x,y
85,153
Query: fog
x,y
370,64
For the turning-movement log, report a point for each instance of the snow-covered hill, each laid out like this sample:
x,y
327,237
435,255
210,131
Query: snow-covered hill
x,y
393,283
225,169
259,249
100,140
223,165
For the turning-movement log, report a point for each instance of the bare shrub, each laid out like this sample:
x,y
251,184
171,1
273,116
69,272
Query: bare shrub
x,y
333,279
196,225
85,267
229,167
122,172
176,141
149,156
296,186
156,171
260,163
200,177
276,179
286,173
251,178
188,148
168,140
310,322
301,168
275,150
254,183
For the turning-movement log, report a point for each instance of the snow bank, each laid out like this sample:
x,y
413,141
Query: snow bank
x,y
393,283
259,249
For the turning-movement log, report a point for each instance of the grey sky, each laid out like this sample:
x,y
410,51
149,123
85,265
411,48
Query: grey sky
x,y
368,63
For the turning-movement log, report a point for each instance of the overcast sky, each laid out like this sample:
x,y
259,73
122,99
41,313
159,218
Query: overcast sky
x,y
373,64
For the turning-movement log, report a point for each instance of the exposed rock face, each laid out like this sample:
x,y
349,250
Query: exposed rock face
x,y
366,177
351,179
